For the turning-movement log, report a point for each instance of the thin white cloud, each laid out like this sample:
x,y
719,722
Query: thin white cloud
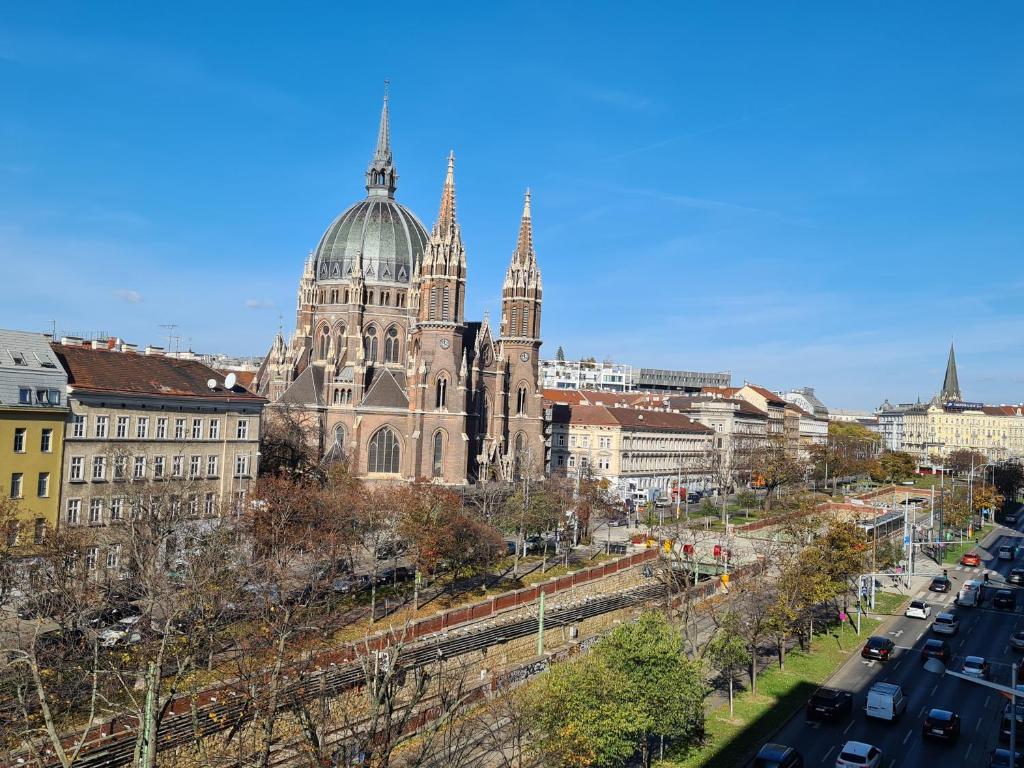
x,y
128,295
259,304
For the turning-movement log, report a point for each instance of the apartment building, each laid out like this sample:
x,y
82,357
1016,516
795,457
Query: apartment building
x,y
146,430
32,417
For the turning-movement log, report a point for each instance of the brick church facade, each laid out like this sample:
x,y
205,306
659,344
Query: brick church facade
x,y
383,366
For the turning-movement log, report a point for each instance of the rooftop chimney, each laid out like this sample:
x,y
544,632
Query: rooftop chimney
x,y
156,351
71,341
98,344
126,347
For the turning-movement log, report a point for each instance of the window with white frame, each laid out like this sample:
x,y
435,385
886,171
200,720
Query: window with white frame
x,y
242,432
120,467
161,428
241,465
215,429
75,469
99,467
179,429
74,511
142,427
194,463
78,426
100,428
572,460
122,427
43,485
604,442
116,508
139,469
95,511
16,482
209,504
561,441
586,441
158,467
197,429
46,441
92,554
193,504
561,461
177,463
113,556
19,439
211,465
572,441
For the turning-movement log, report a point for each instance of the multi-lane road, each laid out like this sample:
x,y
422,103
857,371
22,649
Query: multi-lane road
x,y
983,631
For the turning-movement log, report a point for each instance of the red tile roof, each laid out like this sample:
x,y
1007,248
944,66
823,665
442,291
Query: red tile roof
x,y
101,370
767,394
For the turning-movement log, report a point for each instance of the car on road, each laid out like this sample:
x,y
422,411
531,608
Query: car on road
x,y
1000,758
1005,599
940,584
972,559
976,666
618,522
1016,576
918,609
778,756
945,624
1006,553
1004,725
886,701
1017,640
829,704
857,754
1010,519
941,724
936,649
880,648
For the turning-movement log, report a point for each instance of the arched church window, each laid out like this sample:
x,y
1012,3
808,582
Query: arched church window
x,y
437,464
337,397
339,437
391,345
521,400
323,343
346,295
370,344
441,392
526,317
339,337
383,452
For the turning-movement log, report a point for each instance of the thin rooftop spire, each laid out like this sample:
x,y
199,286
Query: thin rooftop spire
x,y
381,176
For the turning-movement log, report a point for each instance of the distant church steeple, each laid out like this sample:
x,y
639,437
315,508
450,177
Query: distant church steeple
x,y
951,384
381,176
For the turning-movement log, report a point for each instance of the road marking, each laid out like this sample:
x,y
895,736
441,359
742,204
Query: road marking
x,y
909,733
987,700
830,751
919,636
922,710
978,726
968,752
846,730
897,664
934,689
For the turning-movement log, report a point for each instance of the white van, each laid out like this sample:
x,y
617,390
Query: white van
x,y
885,701
970,593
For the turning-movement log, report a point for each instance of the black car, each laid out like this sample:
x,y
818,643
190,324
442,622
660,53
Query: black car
x,y
1016,576
396,575
880,648
941,724
829,704
1005,599
778,756
1010,519
940,584
936,649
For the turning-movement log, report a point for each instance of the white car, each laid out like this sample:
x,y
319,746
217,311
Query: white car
x,y
122,632
857,754
918,610
947,624
976,666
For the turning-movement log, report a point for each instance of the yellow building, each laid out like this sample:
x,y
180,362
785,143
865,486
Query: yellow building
x,y
32,418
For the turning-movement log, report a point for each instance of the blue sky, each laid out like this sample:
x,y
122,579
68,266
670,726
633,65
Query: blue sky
x,y
804,194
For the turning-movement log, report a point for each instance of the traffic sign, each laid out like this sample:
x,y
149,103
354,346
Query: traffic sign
x,y
906,539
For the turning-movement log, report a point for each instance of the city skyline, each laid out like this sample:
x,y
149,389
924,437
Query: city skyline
x,y
683,209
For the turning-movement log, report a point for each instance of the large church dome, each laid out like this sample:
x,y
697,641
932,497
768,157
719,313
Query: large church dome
x,y
378,233
387,234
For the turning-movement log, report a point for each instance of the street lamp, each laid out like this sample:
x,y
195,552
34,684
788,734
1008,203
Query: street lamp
x,y
936,667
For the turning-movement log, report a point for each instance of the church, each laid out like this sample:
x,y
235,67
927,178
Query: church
x,y
383,367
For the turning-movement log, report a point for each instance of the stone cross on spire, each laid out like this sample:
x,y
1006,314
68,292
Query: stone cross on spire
x,y
381,176
951,384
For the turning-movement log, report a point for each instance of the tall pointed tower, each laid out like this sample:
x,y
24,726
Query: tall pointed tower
x,y
520,343
951,384
381,176
438,391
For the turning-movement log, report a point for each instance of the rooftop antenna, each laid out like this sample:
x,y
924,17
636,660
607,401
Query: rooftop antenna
x,y
170,328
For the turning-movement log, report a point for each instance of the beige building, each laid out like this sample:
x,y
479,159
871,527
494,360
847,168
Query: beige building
x,y
997,431
147,431
633,449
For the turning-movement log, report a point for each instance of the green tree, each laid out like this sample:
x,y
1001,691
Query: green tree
x,y
895,467
1009,479
964,459
560,354
727,651
773,467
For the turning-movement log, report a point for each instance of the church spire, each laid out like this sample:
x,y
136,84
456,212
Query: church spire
x,y
524,254
951,384
381,176
446,216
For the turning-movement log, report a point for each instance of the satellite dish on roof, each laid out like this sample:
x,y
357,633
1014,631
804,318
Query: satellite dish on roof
x,y
211,383
229,381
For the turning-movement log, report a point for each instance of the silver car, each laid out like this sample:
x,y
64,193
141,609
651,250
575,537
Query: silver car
x,y
945,624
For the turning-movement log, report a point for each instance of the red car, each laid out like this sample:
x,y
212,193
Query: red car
x,y
971,558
